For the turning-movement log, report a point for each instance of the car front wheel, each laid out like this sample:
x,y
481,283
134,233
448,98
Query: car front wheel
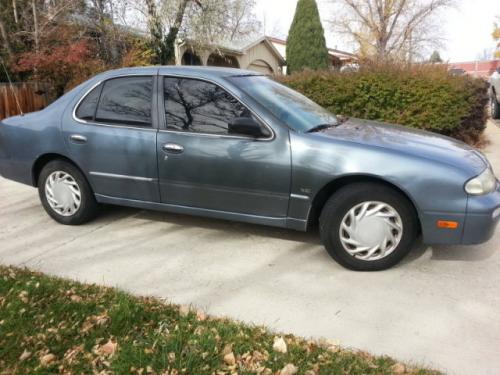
x,y
65,193
368,226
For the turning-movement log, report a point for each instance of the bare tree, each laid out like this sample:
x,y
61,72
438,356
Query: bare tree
x,y
206,22
223,20
28,22
390,28
165,19
103,16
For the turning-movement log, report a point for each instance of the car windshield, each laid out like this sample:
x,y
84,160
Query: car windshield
x,y
294,109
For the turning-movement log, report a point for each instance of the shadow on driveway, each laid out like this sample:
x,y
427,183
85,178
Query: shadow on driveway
x,y
311,237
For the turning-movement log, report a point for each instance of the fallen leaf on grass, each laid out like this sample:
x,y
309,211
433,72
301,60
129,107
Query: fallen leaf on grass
x,y
184,310
252,361
227,349
24,296
93,321
171,357
279,345
76,298
289,370
330,345
229,359
109,348
47,359
70,354
201,316
25,355
398,368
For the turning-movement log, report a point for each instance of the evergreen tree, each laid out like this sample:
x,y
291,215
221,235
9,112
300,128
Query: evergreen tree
x,y
306,45
435,58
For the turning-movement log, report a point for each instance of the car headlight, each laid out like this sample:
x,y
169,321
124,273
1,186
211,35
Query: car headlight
x,y
485,183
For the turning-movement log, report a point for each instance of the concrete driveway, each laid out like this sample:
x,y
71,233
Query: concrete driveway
x,y
440,308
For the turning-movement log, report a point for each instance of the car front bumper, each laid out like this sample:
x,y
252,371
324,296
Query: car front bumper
x,y
475,226
483,215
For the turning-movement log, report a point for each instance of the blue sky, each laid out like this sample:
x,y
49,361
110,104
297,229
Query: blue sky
x,y
467,27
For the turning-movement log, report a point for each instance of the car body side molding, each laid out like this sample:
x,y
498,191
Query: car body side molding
x,y
280,222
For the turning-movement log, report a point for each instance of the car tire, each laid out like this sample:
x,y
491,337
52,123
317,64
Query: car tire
x,y
65,193
495,107
361,216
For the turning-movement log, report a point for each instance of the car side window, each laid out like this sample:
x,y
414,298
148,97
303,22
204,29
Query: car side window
x,y
126,101
87,107
198,106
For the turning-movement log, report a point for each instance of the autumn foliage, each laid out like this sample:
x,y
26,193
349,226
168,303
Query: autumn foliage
x,y
63,65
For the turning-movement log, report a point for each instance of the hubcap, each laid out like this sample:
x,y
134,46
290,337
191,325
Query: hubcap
x,y
371,230
63,193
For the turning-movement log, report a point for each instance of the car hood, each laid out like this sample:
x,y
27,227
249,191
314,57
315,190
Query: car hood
x,y
406,140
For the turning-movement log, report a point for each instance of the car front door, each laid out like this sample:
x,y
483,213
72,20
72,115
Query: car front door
x,y
203,164
111,135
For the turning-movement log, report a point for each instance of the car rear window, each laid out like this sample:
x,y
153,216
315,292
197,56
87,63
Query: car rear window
x,y
86,109
120,101
127,101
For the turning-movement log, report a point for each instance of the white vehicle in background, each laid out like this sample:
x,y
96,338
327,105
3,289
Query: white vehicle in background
x,y
495,94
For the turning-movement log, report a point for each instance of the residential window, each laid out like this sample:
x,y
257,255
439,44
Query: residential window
x,y
197,106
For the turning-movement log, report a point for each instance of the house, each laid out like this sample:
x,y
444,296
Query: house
x,y
259,55
265,55
338,58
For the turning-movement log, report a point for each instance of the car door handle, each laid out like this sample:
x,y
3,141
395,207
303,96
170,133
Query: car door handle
x,y
173,148
77,138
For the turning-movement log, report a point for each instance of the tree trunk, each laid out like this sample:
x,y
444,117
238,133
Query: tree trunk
x,y
155,30
14,8
35,25
168,52
5,37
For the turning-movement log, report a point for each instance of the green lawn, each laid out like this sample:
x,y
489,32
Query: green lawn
x,y
49,325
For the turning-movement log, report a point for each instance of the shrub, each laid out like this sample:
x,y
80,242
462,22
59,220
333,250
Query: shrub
x,y
137,54
424,97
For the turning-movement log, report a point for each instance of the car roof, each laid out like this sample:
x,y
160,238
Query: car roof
x,y
195,71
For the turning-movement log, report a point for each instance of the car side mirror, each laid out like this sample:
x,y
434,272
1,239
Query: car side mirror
x,y
245,126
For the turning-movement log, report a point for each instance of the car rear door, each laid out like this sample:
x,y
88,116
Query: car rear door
x,y
201,165
112,136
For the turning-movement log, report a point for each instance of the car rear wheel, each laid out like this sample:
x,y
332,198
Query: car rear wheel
x,y
494,107
65,193
368,226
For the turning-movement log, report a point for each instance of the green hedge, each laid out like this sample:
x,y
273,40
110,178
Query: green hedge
x,y
424,97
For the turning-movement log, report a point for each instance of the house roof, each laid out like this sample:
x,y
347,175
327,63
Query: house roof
x,y
332,51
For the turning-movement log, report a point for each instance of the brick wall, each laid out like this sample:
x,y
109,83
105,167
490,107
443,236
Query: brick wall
x,y
477,68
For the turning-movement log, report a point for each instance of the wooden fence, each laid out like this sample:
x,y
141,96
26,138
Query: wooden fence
x,y
32,96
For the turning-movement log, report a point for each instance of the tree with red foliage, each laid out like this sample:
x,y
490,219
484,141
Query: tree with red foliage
x,y
62,65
